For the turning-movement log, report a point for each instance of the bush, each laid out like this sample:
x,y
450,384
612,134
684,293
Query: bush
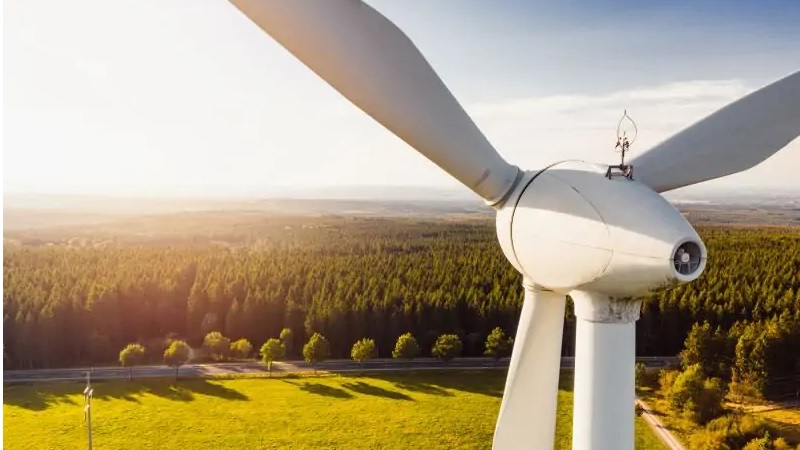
x,y
739,429
642,377
709,405
743,391
216,344
687,387
241,348
762,443
695,398
666,378
709,440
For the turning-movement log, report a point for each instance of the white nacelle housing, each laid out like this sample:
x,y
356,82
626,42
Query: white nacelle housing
x,y
570,227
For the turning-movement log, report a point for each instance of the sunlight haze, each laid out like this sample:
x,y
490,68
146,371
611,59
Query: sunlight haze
x,y
191,98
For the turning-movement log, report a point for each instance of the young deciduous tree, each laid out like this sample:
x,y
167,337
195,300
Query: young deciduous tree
x,y
447,347
287,337
363,350
316,350
498,345
241,348
216,344
406,347
131,355
272,350
697,398
177,354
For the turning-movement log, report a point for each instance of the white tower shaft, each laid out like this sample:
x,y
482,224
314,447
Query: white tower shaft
x,y
528,413
603,412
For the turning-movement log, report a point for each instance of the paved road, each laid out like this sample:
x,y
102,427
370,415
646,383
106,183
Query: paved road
x,y
338,366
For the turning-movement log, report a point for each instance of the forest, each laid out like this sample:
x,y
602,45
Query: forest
x,y
77,296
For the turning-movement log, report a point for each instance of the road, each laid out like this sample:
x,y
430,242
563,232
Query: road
x,y
336,366
658,428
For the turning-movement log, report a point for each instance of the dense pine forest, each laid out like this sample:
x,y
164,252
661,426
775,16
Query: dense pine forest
x,y
78,296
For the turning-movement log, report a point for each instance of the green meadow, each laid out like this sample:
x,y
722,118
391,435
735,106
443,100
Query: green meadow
x,y
430,410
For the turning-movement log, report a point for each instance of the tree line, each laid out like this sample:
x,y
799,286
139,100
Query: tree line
x,y
69,301
316,350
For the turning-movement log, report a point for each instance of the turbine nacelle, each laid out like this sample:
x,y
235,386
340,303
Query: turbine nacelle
x,y
569,227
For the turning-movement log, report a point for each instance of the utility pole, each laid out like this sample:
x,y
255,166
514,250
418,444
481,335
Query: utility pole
x,y
87,409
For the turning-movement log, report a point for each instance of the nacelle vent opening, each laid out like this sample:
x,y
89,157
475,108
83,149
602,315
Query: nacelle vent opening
x,y
687,258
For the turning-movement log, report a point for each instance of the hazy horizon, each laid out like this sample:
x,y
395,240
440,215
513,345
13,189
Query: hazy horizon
x,y
377,192
203,104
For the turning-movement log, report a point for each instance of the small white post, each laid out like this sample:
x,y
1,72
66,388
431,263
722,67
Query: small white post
x,y
528,412
605,354
87,409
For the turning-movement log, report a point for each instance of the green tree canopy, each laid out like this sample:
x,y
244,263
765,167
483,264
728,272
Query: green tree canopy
x,y
216,344
272,350
287,337
316,350
498,345
406,347
241,348
131,355
363,350
447,347
177,354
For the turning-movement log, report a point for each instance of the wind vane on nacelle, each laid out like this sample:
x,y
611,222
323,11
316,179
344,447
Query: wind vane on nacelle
x,y
623,144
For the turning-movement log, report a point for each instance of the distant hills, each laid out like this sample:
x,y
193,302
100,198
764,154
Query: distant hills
x,y
24,211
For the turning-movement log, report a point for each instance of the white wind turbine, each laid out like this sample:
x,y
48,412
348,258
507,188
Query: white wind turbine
x,y
567,228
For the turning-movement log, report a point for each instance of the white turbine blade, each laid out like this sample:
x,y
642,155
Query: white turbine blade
x,y
528,413
373,64
735,138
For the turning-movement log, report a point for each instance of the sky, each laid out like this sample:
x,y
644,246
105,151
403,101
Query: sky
x,y
188,97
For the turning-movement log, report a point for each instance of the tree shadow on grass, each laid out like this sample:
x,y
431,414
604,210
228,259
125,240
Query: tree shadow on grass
x,y
442,383
321,389
39,397
423,388
368,389
35,397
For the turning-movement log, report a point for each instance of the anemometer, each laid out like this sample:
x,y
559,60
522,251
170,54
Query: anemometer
x,y
623,145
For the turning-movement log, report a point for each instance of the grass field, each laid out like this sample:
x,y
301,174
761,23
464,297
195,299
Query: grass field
x,y
445,410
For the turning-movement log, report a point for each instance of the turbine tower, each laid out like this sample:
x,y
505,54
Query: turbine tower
x,y
567,228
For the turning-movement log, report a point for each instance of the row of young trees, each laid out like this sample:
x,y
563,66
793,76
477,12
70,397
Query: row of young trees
x,y
316,350
350,278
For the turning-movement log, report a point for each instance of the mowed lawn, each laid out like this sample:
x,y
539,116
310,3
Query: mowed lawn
x,y
443,410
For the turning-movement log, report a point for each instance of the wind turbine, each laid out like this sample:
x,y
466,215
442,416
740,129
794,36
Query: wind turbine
x,y
567,228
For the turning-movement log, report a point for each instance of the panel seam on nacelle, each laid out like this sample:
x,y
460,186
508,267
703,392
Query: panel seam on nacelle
x,y
514,212
608,229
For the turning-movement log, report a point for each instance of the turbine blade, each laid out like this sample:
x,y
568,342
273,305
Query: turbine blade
x,y
529,408
734,138
375,65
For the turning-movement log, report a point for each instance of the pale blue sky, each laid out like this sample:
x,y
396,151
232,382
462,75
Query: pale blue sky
x,y
188,97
